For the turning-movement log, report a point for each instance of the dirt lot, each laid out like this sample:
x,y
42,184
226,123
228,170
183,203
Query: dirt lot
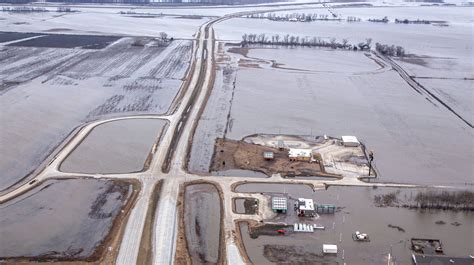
x,y
230,154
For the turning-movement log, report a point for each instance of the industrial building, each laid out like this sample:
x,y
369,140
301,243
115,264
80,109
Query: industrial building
x,y
305,207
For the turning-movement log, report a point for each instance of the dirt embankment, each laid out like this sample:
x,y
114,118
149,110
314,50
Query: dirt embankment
x,y
229,154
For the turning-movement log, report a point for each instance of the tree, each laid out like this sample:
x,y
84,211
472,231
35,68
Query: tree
x,y
368,41
400,51
163,36
277,38
344,43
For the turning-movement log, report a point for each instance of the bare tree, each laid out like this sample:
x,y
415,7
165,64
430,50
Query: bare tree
x,y
163,36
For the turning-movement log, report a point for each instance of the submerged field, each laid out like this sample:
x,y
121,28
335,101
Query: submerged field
x,y
62,219
122,146
345,93
47,92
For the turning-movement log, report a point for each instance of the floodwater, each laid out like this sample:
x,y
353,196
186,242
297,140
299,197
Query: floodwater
x,y
202,217
120,146
122,79
239,173
239,206
414,140
401,126
356,212
61,218
213,122
293,190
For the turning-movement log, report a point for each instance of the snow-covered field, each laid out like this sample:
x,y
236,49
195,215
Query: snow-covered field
x,y
100,22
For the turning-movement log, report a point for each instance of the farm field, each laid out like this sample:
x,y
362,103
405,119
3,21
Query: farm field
x,y
122,146
63,88
371,111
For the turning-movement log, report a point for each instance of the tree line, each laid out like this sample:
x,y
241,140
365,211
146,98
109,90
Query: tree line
x,y
444,200
291,40
390,50
26,9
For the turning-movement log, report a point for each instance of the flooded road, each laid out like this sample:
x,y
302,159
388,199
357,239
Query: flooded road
x,y
115,147
356,212
202,219
65,219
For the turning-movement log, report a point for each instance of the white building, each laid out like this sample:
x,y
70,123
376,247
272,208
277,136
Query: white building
x,y
350,141
305,207
300,154
330,249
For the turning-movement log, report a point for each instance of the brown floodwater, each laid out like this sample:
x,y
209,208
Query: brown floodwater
x,y
65,219
202,217
356,212
115,147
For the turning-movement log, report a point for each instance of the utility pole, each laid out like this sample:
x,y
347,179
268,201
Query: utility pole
x,y
371,157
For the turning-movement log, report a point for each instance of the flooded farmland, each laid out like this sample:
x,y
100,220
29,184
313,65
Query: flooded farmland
x,y
121,146
202,220
61,219
348,98
345,93
129,77
386,226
